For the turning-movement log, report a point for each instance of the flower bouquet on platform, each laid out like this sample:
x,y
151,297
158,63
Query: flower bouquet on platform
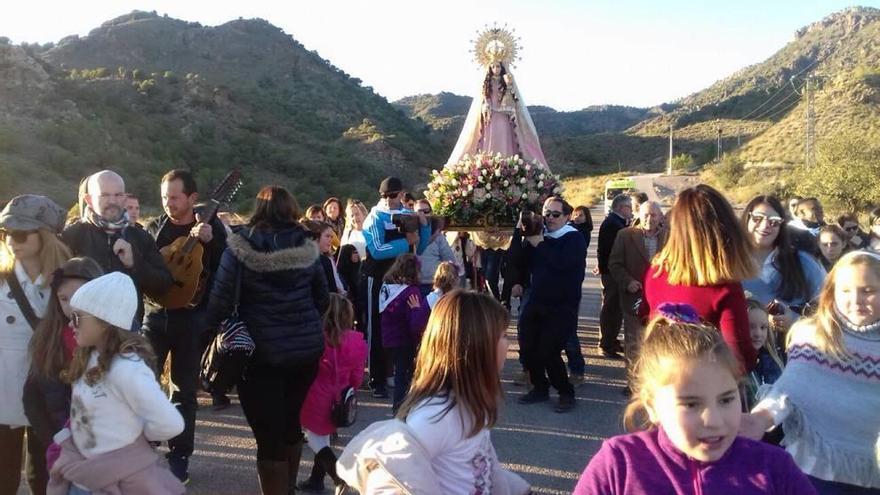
x,y
487,192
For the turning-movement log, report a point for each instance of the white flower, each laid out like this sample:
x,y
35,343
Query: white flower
x,y
528,167
541,176
470,187
506,183
488,194
540,183
497,172
524,196
480,179
522,181
557,190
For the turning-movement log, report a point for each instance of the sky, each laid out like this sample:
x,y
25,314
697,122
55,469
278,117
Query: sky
x,y
575,53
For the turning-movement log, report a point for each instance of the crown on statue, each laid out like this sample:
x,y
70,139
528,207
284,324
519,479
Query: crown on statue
x,y
496,44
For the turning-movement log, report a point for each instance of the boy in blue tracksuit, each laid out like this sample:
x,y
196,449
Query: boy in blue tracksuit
x,y
385,242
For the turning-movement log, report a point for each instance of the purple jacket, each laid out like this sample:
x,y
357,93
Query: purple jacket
x,y
402,326
648,463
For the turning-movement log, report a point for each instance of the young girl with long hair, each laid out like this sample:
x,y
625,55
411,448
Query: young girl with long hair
x,y
342,365
704,260
769,365
440,440
46,398
355,214
828,396
117,405
30,252
404,312
683,418
445,280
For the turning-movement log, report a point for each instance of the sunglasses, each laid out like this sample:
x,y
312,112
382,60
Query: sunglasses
x,y
18,236
554,214
76,318
773,221
424,210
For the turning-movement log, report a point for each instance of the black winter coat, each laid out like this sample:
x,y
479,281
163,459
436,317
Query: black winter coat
x,y
283,293
150,275
46,405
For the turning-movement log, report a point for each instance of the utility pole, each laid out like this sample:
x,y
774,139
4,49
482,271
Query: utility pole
x,y
810,141
718,155
669,165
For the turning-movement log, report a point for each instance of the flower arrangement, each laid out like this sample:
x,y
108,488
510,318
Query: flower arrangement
x,y
485,186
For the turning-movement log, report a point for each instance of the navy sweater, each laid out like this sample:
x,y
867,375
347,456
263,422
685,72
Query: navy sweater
x,y
557,269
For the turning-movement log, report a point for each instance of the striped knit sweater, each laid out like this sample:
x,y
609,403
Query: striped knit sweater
x,y
830,409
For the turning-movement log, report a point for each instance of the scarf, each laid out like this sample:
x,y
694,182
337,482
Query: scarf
x,y
104,224
389,293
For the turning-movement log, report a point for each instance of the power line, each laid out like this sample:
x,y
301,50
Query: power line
x,y
769,111
768,100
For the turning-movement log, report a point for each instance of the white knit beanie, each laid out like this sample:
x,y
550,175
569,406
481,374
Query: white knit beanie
x,y
111,298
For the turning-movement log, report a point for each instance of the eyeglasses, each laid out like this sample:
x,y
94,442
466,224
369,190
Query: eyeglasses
x,y
554,214
773,221
76,318
18,236
424,210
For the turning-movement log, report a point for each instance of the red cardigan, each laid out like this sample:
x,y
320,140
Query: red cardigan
x,y
722,305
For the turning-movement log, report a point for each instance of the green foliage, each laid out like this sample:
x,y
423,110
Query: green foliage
x,y
846,175
682,162
729,172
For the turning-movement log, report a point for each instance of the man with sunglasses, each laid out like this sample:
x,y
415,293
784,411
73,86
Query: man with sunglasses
x,y
385,242
104,234
556,261
611,316
853,234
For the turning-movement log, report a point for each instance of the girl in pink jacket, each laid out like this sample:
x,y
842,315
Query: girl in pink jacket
x,y
342,365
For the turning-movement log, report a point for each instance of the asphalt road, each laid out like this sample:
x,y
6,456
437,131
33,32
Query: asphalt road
x,y
549,450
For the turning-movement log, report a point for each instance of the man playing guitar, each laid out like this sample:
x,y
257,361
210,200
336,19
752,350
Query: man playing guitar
x,y
177,331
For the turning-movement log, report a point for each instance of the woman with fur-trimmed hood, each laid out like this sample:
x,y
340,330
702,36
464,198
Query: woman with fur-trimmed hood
x,y
283,294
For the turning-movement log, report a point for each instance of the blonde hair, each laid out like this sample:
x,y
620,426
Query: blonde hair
x,y
53,253
706,245
828,335
349,219
770,343
338,318
458,359
446,276
115,341
668,347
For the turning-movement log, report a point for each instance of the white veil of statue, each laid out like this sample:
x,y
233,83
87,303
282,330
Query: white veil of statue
x,y
506,116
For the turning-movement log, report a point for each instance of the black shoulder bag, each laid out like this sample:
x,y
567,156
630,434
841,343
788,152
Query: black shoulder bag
x,y
225,360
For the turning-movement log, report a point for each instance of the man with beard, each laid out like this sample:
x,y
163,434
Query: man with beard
x,y
176,332
104,234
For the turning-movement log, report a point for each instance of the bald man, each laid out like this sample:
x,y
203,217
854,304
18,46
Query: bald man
x,y
104,234
628,263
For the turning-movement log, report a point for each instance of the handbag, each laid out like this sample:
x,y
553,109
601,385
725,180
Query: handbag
x,y
343,411
225,360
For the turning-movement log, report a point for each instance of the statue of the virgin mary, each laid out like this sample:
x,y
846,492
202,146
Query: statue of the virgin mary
x,y
498,120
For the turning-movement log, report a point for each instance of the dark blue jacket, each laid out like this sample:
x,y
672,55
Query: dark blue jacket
x,y
557,269
283,293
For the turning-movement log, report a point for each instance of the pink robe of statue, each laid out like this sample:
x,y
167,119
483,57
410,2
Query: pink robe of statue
x,y
499,126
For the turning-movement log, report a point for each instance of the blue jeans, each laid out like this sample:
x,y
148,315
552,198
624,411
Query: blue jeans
x,y
75,490
492,269
404,361
573,352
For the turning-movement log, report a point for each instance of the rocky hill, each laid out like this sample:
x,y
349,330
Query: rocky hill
x,y
144,93
760,109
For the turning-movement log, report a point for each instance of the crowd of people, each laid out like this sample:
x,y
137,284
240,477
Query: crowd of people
x,y
741,334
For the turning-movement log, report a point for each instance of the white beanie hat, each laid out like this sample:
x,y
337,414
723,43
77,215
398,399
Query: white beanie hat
x,y
111,298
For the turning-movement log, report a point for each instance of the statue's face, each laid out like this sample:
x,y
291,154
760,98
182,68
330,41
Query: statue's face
x,y
496,69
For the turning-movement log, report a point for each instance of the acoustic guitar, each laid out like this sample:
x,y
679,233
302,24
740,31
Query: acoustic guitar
x,y
184,256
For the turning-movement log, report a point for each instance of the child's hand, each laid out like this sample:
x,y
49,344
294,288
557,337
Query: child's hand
x,y
413,301
754,425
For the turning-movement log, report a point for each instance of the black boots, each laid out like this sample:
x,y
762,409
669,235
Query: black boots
x,y
325,463
273,477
